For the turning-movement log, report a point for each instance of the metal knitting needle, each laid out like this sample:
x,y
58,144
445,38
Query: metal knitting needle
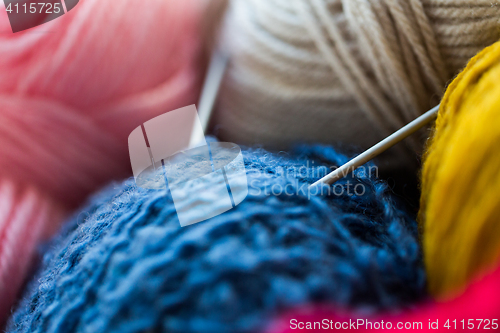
x,y
215,74
379,148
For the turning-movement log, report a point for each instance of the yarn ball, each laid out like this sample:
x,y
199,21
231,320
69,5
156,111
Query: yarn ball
x,y
460,205
480,301
351,71
124,264
71,90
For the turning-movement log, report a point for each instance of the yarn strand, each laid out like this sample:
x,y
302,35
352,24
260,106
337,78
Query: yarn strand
x,y
350,71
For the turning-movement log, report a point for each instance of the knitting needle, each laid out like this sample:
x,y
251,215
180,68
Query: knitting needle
x,y
379,148
215,74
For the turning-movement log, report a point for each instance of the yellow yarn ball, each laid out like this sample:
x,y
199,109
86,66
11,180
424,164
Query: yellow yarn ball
x,y
460,204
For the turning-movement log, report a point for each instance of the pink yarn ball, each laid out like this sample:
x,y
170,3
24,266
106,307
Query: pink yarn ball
x,y
481,300
71,91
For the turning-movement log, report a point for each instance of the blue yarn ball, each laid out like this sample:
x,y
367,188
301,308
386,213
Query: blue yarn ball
x,y
124,264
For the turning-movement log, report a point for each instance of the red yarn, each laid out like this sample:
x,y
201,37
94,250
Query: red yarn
x,y
25,216
71,90
480,301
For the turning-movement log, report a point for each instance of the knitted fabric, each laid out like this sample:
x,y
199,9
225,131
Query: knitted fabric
x,y
124,264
